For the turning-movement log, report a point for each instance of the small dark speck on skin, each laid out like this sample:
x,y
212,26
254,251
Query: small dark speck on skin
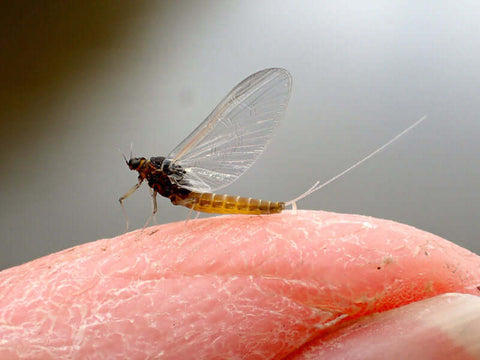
x,y
478,287
426,253
379,267
104,248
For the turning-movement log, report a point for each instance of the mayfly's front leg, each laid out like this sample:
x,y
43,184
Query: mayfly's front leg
x,y
127,194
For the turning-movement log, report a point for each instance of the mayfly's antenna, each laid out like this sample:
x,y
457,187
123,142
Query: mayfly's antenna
x,y
316,186
124,157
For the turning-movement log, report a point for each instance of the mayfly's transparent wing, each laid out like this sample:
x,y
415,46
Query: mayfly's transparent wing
x,y
234,135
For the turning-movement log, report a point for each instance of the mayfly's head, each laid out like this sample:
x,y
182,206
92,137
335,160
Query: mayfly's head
x,y
136,163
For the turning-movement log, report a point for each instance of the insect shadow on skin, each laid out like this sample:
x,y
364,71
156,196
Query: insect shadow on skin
x,y
223,147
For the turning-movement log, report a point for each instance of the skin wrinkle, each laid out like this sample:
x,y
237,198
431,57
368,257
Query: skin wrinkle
x,y
286,285
407,332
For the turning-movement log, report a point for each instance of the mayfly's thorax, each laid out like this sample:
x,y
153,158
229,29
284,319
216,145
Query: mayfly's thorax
x,y
160,177
157,162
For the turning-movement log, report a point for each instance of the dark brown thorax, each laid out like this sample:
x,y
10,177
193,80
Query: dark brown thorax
x,y
157,174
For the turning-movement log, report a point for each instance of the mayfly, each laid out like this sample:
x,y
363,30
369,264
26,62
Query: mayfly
x,y
223,147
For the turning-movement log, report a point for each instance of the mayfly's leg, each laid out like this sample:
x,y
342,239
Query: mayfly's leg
x,y
185,228
294,207
127,194
187,202
153,193
154,196
189,216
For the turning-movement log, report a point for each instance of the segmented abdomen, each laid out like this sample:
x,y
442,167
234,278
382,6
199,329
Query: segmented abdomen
x,y
227,204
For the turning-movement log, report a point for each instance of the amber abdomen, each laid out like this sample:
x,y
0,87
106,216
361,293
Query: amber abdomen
x,y
227,204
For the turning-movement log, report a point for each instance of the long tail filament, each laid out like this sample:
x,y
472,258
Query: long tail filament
x,y
316,186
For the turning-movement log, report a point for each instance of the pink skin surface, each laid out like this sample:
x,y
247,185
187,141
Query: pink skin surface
x,y
235,287
443,327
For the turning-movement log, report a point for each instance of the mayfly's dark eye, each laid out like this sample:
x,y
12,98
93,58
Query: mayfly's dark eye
x,y
134,163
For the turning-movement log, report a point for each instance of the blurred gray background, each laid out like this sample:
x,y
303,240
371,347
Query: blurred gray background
x,y
81,79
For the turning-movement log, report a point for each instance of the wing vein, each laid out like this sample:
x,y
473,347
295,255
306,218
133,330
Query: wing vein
x,y
235,133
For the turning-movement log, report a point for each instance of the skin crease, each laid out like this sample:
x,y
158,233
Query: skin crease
x,y
235,287
444,327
